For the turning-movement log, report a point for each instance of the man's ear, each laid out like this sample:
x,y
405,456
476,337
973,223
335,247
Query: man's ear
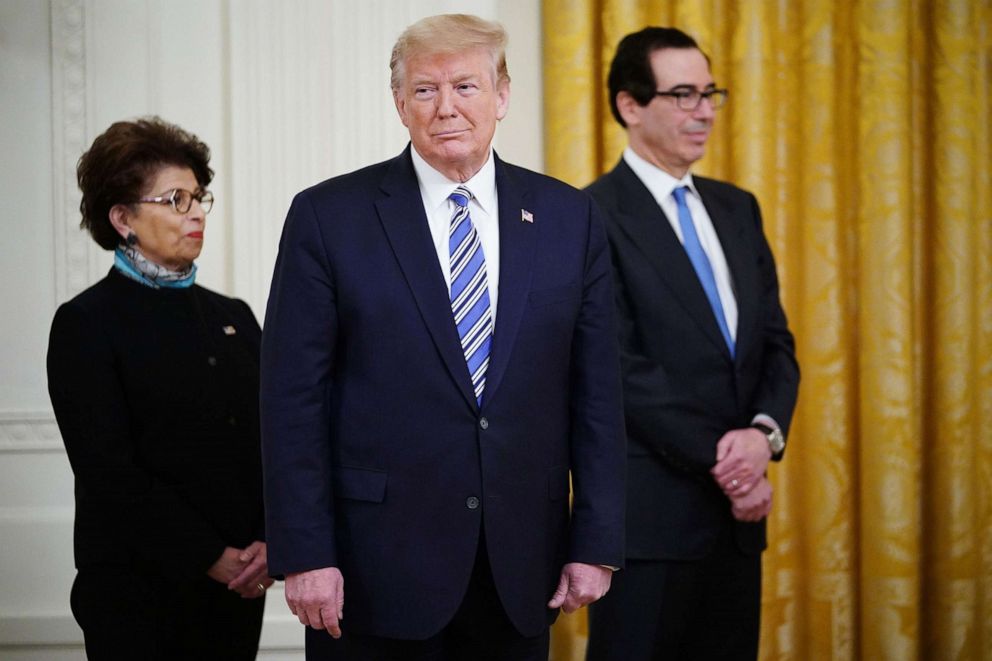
x,y
400,102
502,98
629,108
120,218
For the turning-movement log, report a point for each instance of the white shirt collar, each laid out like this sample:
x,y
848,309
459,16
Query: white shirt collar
x,y
658,182
436,188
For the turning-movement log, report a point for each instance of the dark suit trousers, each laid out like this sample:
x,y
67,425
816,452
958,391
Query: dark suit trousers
x,y
706,609
126,614
480,631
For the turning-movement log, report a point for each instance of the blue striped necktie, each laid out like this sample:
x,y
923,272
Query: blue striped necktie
x,y
470,291
704,270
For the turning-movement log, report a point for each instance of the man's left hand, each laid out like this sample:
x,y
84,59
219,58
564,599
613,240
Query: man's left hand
x,y
741,459
753,506
580,585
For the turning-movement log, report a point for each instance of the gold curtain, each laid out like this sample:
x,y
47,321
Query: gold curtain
x,y
864,129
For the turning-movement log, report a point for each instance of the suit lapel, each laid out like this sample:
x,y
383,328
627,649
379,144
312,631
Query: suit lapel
x,y
738,251
401,211
650,232
516,256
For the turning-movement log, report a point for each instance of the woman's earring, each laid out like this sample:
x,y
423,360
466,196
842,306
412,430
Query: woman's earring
x,y
131,240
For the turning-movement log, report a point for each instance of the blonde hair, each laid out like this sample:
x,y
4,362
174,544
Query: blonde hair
x,y
449,33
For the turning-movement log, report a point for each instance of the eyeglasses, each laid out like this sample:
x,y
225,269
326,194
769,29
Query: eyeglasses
x,y
181,200
689,99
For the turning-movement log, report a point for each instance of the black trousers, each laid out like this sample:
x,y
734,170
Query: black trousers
x,y
480,631
129,614
706,609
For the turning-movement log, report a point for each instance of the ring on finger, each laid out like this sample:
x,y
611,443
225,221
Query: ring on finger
x,y
734,483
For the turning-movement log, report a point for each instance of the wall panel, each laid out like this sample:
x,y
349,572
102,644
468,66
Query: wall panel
x,y
285,93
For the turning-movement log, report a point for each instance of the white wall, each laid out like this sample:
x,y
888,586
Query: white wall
x,y
286,93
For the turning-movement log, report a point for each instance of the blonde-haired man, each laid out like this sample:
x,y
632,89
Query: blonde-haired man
x,y
439,358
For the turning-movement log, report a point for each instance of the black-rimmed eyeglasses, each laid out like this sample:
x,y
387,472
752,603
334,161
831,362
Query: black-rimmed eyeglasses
x,y
181,200
689,99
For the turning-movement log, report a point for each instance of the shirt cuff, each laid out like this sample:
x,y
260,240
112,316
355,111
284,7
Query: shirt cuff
x,y
765,419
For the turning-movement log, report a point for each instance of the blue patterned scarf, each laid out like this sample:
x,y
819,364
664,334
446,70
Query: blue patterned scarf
x,y
134,265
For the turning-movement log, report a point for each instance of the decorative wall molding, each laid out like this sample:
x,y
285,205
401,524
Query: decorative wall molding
x,y
72,250
279,131
309,99
29,431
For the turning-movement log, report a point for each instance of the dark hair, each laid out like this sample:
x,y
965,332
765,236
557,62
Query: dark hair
x,y
121,163
631,71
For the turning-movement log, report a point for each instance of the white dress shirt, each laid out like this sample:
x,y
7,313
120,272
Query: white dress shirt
x,y
435,188
661,184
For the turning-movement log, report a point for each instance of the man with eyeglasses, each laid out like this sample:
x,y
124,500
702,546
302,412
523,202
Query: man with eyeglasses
x,y
709,369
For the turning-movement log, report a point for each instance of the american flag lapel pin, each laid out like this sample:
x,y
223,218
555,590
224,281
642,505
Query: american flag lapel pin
x,y
526,216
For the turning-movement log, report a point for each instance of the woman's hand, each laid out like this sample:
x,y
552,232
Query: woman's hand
x,y
253,579
228,566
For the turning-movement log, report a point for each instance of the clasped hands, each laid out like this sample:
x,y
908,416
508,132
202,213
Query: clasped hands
x,y
742,457
246,571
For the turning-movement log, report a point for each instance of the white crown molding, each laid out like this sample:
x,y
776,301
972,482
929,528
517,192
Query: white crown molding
x,y
72,250
29,431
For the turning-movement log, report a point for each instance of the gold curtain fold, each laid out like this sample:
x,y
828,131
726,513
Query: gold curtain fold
x,y
864,130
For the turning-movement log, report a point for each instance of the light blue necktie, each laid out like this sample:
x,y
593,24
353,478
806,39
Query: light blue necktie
x,y
470,291
704,270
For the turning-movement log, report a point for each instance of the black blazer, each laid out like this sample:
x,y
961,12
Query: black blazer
x,y
682,389
156,396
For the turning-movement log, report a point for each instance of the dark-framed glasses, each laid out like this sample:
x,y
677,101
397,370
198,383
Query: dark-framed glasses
x,y
181,199
688,98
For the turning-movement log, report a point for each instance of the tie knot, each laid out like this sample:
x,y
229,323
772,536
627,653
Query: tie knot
x,y
679,194
461,196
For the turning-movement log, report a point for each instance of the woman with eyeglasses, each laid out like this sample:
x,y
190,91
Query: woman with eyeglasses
x,y
154,383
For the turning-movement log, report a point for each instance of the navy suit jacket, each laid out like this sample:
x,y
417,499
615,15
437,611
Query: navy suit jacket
x,y
682,388
377,458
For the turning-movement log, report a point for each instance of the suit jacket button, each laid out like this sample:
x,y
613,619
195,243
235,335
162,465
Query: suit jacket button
x,y
472,503
484,423
211,361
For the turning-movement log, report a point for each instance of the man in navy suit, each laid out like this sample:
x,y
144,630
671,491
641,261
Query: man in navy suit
x,y
439,362
709,370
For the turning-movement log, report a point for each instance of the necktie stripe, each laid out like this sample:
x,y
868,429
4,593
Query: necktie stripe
x,y
465,251
479,379
461,260
457,221
472,292
470,307
468,316
460,231
476,335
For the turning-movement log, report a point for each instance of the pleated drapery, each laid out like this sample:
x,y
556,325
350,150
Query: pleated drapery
x,y
863,127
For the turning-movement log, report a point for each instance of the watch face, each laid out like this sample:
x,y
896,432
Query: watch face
x,y
776,440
